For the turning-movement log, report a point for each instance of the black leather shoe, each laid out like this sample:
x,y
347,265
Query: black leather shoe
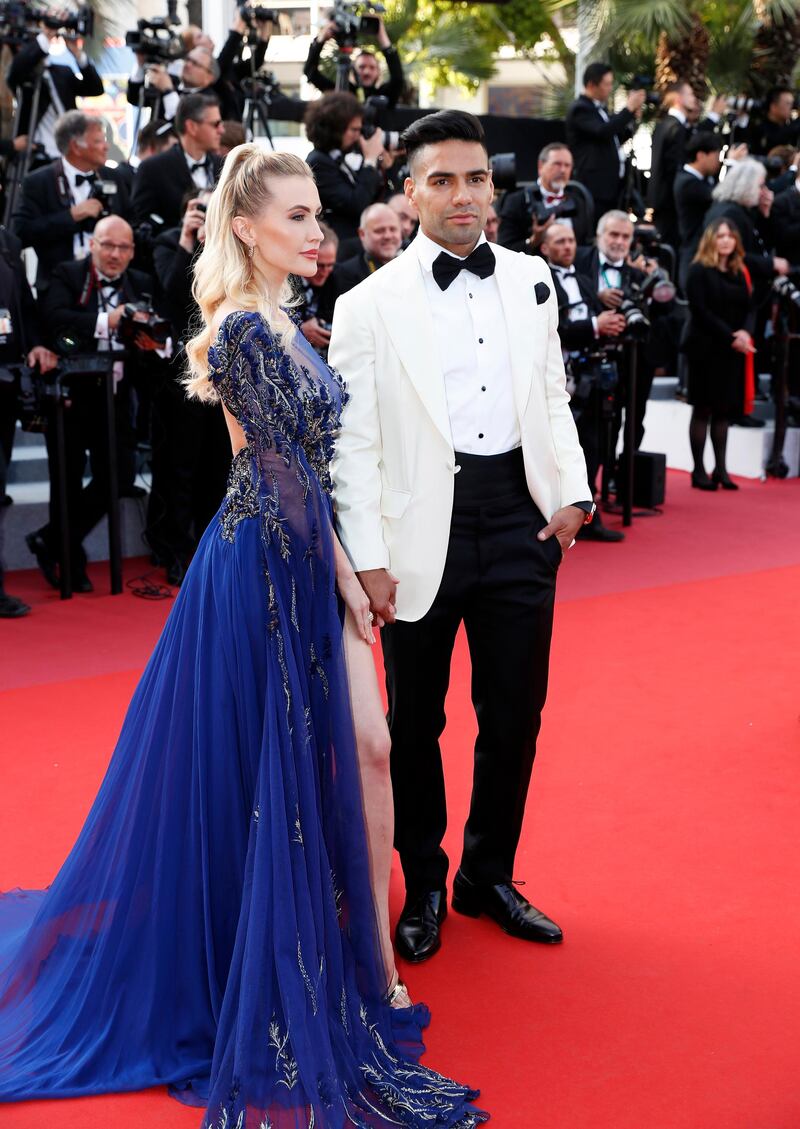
x,y
11,607
81,583
417,934
723,479
702,481
596,531
47,562
505,905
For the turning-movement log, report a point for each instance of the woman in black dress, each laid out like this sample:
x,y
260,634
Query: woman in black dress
x,y
719,347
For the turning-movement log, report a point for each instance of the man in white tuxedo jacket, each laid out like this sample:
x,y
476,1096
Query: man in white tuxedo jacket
x,y
458,483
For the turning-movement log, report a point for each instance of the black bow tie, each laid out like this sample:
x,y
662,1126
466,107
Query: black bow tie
x,y
614,266
89,178
566,272
447,267
111,283
197,165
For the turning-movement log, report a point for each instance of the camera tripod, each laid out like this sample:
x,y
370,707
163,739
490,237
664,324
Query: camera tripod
x,y
20,164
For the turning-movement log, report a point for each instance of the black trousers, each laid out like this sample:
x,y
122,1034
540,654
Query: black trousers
x,y
500,582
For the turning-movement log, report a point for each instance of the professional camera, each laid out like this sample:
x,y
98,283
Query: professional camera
x,y
504,171
353,19
70,25
155,327
739,104
541,212
15,23
20,22
374,107
255,13
156,40
632,306
106,192
786,291
773,166
36,394
645,82
594,371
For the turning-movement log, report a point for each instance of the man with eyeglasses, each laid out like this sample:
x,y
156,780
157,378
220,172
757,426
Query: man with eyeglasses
x,y
163,181
86,300
59,205
200,74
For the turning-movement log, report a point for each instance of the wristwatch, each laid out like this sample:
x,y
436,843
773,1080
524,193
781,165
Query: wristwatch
x,y
589,508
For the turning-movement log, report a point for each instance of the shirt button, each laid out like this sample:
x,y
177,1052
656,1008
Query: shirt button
x,y
480,340
483,388
480,435
470,295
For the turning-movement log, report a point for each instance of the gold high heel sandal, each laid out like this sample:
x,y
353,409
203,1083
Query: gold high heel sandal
x,y
397,993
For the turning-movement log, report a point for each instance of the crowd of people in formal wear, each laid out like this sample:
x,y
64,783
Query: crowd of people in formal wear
x,y
116,244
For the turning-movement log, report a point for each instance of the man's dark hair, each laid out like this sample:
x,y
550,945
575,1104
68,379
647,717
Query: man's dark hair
x,y
155,135
775,93
329,116
191,109
595,73
446,125
704,141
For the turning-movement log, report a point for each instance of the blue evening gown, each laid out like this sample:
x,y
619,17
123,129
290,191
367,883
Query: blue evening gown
x,y
213,928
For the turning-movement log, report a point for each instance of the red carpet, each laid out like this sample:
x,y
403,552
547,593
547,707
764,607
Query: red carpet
x,y
661,831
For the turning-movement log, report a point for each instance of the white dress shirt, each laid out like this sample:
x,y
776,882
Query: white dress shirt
x,y
473,350
44,133
77,194
201,176
610,274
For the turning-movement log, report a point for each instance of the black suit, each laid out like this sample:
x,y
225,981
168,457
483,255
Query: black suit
x,y
693,198
190,443
42,218
669,156
591,140
344,194
761,136
349,273
393,89
68,85
71,304
162,182
517,212
785,216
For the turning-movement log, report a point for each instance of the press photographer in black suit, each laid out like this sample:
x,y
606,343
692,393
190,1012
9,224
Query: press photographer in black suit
x,y
584,326
526,213
200,74
163,181
365,68
85,301
693,189
670,138
60,86
20,344
59,205
346,165
595,137
381,240
191,448
777,126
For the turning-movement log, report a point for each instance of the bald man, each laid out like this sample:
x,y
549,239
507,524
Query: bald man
x,y
85,301
381,240
406,213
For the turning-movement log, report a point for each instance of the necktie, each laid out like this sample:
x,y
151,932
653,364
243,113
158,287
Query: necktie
x,y
447,267
88,178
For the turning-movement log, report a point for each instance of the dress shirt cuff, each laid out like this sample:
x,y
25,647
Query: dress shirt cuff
x,y
713,116
170,103
101,328
585,506
595,327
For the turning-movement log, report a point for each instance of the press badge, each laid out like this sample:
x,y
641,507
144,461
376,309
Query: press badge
x,y
6,326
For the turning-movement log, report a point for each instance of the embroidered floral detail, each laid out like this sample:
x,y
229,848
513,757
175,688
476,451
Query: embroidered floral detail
x,y
241,497
285,1064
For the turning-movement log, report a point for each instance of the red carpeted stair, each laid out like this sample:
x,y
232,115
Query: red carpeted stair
x,y
661,830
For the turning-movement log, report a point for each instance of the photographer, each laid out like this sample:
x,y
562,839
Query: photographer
x,y
346,165
191,448
526,213
670,138
85,303
693,189
163,181
251,33
59,205
200,74
315,313
595,137
406,214
381,239
584,328
777,126
60,86
366,69
719,346
19,346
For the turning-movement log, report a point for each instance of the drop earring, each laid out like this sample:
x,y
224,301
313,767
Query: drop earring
x,y
251,251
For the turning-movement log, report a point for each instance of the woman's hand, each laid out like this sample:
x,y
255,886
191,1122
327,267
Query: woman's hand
x,y
357,602
743,342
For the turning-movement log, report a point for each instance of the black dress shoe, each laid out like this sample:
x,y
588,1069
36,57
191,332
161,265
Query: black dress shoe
x,y
702,481
11,607
505,905
47,562
81,583
596,531
417,934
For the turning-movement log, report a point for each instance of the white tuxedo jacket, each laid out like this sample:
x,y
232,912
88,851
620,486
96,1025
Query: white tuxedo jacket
x,y
394,467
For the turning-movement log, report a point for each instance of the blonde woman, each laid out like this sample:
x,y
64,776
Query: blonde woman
x,y
214,928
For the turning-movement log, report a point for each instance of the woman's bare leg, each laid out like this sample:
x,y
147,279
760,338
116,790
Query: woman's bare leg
x,y
372,741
